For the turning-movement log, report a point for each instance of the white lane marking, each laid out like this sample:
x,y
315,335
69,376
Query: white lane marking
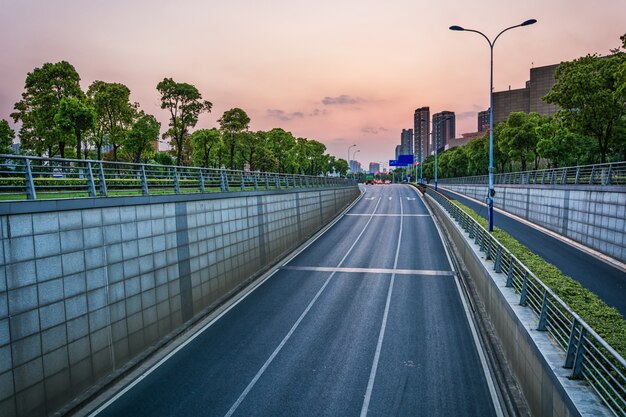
x,y
370,198
390,198
267,363
479,348
247,291
411,198
383,326
430,272
389,215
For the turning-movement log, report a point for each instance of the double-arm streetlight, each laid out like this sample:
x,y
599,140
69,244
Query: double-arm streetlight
x,y
491,44
350,147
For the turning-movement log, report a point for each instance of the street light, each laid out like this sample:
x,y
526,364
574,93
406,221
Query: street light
x,y
491,44
350,147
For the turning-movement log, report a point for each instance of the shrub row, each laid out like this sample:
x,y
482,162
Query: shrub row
x,y
605,320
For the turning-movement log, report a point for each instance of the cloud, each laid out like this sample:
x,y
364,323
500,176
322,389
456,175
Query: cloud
x,y
318,112
341,100
283,115
373,130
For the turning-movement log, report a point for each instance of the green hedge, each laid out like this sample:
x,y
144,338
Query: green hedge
x,y
111,182
605,320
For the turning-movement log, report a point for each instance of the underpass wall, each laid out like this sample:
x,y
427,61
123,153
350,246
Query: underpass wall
x,y
90,287
593,216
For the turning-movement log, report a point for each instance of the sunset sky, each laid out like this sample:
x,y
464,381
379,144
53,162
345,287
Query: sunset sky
x,y
340,71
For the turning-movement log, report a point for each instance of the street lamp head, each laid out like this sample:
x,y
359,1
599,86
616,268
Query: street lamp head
x,y
529,22
456,28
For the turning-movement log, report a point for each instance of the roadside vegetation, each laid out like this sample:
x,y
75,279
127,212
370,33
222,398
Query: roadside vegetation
x,y
605,320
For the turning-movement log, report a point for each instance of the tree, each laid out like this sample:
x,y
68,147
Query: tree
x,y
280,142
233,122
114,114
591,100
45,87
6,137
518,137
185,104
142,135
75,117
205,143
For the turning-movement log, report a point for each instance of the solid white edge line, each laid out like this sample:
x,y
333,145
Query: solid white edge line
x,y
269,360
246,293
479,347
383,327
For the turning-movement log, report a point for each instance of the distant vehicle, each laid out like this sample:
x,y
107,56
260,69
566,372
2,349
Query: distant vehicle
x,y
387,182
369,179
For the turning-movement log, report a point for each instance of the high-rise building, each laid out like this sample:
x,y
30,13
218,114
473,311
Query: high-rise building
x,y
443,129
421,133
406,142
374,167
355,166
483,120
398,151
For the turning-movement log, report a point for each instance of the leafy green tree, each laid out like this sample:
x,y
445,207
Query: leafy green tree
x,y
477,152
163,158
185,104
591,100
6,137
44,89
142,135
518,137
114,114
280,143
205,143
232,123
75,117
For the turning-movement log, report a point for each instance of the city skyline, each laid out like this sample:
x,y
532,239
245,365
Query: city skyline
x,y
338,73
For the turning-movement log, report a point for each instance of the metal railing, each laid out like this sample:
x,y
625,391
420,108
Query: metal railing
x,y
601,174
28,177
587,354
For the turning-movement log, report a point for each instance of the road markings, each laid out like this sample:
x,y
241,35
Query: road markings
x,y
429,272
389,215
370,198
383,326
390,198
411,198
268,362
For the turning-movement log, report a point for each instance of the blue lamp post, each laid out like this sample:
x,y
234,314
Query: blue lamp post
x,y
491,44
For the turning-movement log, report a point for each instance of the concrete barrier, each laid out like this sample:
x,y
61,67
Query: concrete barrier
x,y
594,216
531,355
89,287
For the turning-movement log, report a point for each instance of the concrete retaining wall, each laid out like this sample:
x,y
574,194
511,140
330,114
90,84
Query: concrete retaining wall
x,y
593,216
86,292
534,360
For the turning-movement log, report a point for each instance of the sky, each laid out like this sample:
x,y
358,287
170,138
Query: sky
x,y
342,72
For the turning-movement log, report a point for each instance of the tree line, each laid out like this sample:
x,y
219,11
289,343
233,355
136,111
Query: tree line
x,y
59,119
588,128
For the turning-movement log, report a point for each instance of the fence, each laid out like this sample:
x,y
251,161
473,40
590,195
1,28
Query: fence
x,y
28,177
601,174
586,353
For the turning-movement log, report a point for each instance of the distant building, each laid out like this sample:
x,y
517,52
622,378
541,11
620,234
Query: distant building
x,y
355,166
443,129
464,139
421,133
374,167
527,99
398,151
483,120
406,142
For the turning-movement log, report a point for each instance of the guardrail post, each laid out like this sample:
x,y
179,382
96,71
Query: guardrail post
x,y
176,184
242,182
267,182
509,274
577,175
570,355
201,180
488,249
543,316
31,194
294,180
593,172
497,266
92,185
564,177
609,176
307,181
103,183
580,354
482,242
223,182
524,294
300,181
277,180
256,183
471,230
144,180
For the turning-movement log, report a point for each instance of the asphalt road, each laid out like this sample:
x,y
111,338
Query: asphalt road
x,y
367,321
604,280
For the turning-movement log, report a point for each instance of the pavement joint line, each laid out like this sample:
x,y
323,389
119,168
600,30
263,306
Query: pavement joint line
x,y
389,215
268,362
396,271
383,326
586,249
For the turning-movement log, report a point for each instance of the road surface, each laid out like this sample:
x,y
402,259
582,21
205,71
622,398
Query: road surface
x,y
366,321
